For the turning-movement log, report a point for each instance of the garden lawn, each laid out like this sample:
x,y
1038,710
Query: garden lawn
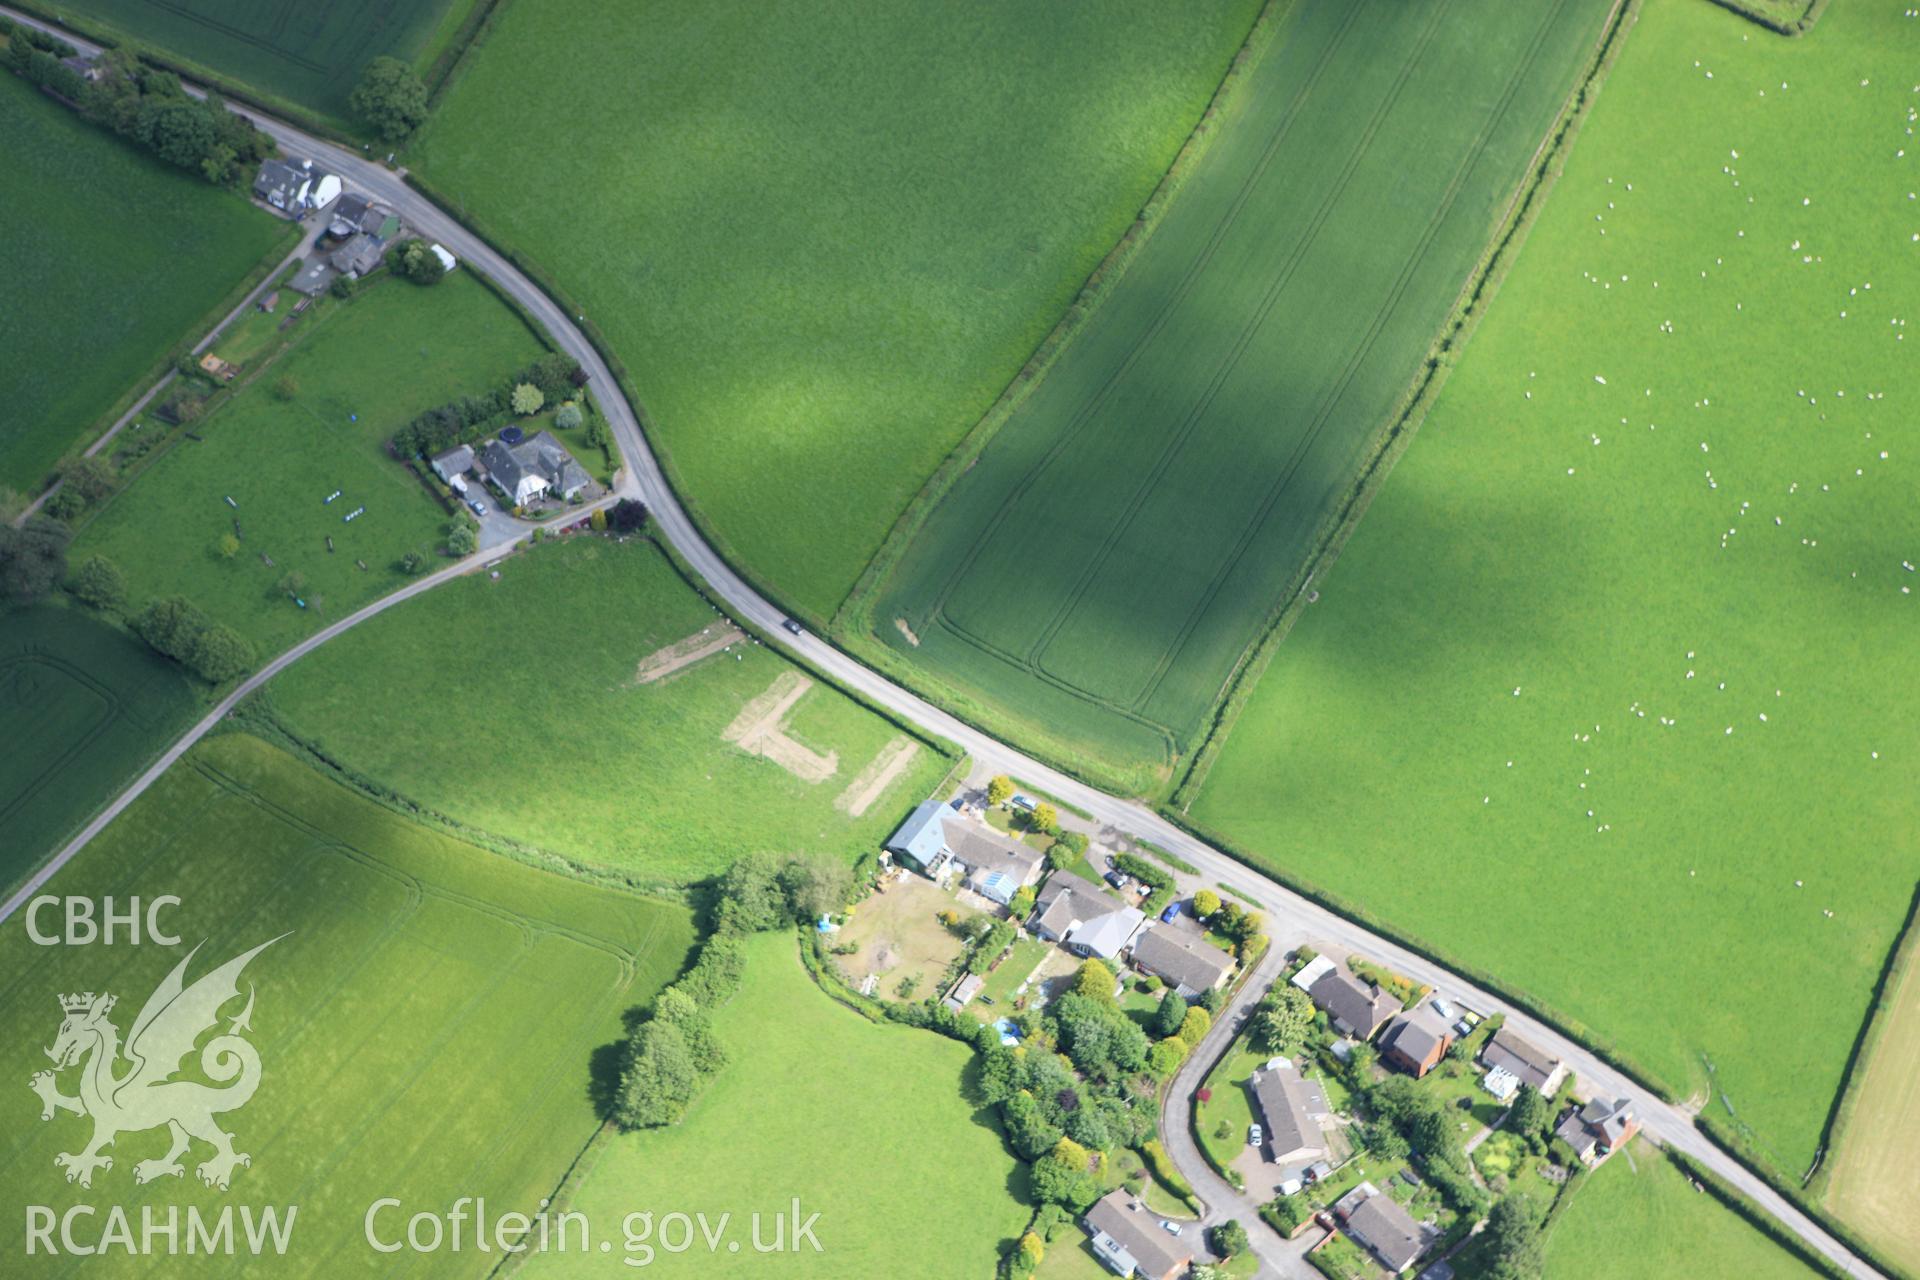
x,y
425,1020
1628,633
1090,585
395,350
509,704
1642,1221
108,258
820,1104
821,238
95,704
312,56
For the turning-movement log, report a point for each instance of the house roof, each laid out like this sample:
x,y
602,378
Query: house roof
x,y
1377,1223
1066,900
1522,1059
1349,1000
276,175
1417,1038
1182,957
982,850
1154,1251
350,209
455,460
1312,971
1292,1107
1106,935
359,255
540,455
920,837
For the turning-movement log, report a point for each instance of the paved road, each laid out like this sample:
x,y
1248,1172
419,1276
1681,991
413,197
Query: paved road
x,y
1289,915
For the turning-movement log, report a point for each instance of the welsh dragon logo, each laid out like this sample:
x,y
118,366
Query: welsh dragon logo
x,y
144,1095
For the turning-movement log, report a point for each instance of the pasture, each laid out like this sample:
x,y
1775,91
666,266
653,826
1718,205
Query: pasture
x,y
1093,580
107,258
309,54
1639,1219
95,703
394,350
517,705
424,1025
1611,693
821,238
866,1124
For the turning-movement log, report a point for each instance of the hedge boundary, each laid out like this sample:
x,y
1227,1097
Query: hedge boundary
x,y
1759,12
1756,1217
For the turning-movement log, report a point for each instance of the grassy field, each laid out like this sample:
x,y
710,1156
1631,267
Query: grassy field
x,y
1672,724
1874,1174
425,1025
822,238
873,1135
95,704
510,704
1095,578
1640,1220
127,255
311,55
394,351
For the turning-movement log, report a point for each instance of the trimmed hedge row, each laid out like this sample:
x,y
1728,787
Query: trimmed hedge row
x,y
1760,1220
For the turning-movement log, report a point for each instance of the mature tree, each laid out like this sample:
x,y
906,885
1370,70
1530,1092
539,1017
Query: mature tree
x,y
1165,1057
1046,817
527,399
390,99
293,583
1095,981
1530,1118
171,625
1171,1013
1194,1027
100,583
462,539
816,889
629,515
1060,857
33,560
1205,903
1029,1131
999,789
92,478
1088,1127
1064,1177
227,544
1513,1240
414,260
751,897
1022,904
677,1007
1283,1019
413,562
660,1077
219,653
569,416
178,130
1229,1238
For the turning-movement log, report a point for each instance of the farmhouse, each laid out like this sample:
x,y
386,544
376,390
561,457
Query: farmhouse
x,y
1186,961
295,189
1293,1110
1128,1238
1416,1041
1512,1061
1598,1129
456,461
532,469
1377,1224
1354,1007
1081,918
935,836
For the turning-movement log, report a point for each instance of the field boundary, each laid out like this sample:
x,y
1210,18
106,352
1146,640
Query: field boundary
x,y
1760,1220
1393,438
1758,13
452,62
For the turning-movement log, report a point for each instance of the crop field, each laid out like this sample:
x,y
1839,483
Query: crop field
x,y
95,703
1873,1173
1640,1220
765,1132
1130,530
127,254
1629,632
312,54
822,238
393,351
424,1022
521,705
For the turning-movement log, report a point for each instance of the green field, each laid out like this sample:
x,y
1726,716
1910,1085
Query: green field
x,y
822,238
393,351
865,1124
510,704
127,256
1094,579
310,54
1542,718
95,703
1640,1220
425,1027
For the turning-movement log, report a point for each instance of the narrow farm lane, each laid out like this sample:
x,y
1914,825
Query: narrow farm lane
x,y
1290,916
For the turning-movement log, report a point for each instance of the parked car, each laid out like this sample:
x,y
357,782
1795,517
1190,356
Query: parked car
x,y
1117,880
1441,1007
479,507
1254,1135
1173,909
1172,1228
792,626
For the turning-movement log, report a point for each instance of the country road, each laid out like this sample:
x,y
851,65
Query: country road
x,y
1290,917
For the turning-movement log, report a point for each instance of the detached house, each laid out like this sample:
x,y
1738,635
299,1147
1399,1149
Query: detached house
x,y
936,836
1372,1220
1355,1008
1081,918
1598,1129
1415,1042
1512,1061
295,189
1293,1111
532,469
1129,1241
1182,959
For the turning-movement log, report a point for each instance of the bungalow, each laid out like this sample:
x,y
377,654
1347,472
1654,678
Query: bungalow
x,y
1519,1061
935,835
1354,1007
456,461
1074,914
1186,961
533,468
1375,1222
1416,1041
1312,971
1128,1239
1598,1129
1293,1112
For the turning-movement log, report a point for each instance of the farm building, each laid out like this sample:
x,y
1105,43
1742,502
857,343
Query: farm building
x,y
1598,1129
1512,1061
1081,918
1128,1238
1354,1007
1293,1111
1416,1041
533,469
1377,1224
1182,958
359,256
935,836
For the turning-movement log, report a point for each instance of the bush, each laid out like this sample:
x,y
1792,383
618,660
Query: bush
x,y
92,478
568,416
342,286
65,504
527,399
100,584
598,520
286,387
33,560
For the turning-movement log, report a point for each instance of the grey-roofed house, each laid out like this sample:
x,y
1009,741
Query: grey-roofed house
x,y
1128,1239
1354,1007
456,461
1375,1222
1416,1041
359,256
1078,916
1523,1061
347,212
533,468
1106,936
315,274
277,182
1598,1129
1186,961
936,835
1293,1111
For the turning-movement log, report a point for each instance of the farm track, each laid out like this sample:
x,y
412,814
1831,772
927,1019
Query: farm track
x,y
1289,914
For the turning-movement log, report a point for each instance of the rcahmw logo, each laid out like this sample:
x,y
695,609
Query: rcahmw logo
x,y
131,1087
